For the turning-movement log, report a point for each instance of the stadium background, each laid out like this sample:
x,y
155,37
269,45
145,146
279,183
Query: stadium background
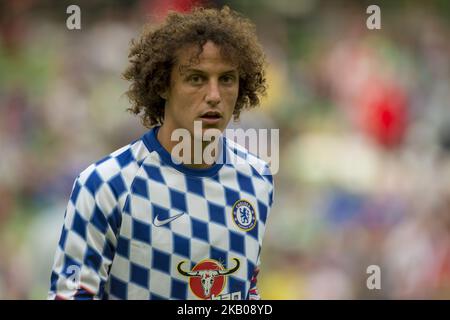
x,y
364,118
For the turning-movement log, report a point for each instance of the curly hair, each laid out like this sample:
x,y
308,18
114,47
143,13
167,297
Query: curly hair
x,y
154,54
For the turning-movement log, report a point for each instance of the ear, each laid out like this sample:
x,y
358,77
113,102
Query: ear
x,y
163,94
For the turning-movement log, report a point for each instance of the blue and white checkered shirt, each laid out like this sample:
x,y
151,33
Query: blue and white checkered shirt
x,y
139,226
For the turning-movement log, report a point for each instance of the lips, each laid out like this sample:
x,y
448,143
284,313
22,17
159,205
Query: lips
x,y
211,118
212,115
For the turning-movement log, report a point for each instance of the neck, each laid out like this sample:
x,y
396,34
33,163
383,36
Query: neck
x,y
164,137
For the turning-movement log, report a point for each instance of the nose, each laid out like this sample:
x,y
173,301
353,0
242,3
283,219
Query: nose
x,y
213,93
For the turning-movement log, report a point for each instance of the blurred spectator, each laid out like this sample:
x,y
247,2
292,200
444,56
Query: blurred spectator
x,y
364,121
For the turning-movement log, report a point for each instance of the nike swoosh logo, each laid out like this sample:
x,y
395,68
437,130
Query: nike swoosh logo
x,y
160,223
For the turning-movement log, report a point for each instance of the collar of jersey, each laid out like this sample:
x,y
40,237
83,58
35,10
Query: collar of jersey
x,y
152,143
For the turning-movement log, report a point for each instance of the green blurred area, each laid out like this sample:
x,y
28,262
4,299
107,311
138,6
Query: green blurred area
x,y
364,118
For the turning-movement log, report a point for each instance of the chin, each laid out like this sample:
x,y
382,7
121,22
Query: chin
x,y
211,131
208,129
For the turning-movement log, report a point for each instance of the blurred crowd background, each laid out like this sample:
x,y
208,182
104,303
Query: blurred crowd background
x,y
364,119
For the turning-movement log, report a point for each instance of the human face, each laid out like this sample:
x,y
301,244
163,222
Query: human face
x,y
206,91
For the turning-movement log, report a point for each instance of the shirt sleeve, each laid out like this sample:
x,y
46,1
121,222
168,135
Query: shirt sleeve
x,y
88,240
253,293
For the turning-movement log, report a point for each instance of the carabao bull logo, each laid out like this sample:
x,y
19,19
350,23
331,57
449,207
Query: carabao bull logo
x,y
207,278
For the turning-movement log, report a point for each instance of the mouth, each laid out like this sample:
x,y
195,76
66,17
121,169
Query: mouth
x,y
211,116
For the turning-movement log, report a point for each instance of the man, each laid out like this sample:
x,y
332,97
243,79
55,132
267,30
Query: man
x,y
140,223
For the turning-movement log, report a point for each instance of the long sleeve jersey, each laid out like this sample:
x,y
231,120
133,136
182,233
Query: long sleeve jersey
x,y
140,226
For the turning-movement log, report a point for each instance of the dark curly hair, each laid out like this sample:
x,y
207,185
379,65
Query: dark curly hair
x,y
153,56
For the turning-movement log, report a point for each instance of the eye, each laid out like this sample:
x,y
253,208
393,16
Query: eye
x,y
228,79
195,79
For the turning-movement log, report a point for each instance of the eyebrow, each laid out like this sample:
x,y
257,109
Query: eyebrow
x,y
203,72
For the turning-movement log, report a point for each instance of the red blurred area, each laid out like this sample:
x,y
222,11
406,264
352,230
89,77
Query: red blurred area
x,y
383,113
160,8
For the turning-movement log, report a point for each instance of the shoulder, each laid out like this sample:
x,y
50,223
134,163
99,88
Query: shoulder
x,y
114,171
242,159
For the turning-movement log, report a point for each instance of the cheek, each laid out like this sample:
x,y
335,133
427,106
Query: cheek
x,y
186,99
231,96
230,92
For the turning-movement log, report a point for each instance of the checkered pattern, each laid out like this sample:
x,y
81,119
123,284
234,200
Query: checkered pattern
x,y
110,247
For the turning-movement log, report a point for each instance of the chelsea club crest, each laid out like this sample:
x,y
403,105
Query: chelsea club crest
x,y
244,215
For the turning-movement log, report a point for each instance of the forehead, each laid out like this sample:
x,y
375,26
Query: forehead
x,y
211,57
